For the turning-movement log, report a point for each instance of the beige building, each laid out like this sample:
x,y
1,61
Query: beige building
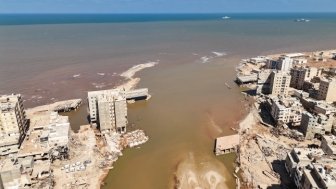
x,y
112,112
327,90
280,82
301,74
108,110
13,123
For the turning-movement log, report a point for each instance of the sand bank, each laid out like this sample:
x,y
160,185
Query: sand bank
x,y
132,81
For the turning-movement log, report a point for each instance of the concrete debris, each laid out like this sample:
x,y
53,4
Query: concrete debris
x,y
135,138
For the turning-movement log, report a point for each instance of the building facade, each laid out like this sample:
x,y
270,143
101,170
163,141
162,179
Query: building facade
x,y
285,63
13,121
108,110
287,111
280,83
312,124
327,90
301,74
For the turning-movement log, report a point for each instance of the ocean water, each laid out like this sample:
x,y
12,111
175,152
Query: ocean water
x,y
52,57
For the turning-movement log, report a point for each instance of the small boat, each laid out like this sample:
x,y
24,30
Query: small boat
x,y
226,17
302,20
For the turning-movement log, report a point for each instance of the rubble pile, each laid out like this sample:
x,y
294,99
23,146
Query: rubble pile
x,y
292,134
135,138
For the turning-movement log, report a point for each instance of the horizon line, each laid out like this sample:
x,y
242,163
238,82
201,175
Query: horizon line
x,y
168,13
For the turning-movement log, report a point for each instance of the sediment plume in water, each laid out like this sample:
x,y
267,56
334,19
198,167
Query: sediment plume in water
x,y
205,175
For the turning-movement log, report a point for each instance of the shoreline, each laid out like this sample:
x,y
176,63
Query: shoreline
x,y
256,137
129,83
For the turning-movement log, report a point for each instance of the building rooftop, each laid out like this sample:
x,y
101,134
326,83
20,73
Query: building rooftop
x,y
295,55
326,174
307,154
44,128
227,142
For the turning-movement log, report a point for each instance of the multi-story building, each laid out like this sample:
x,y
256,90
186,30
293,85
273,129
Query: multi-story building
x,y
108,110
13,123
299,158
49,132
264,82
327,90
287,111
319,176
328,144
112,112
301,74
285,63
312,124
280,83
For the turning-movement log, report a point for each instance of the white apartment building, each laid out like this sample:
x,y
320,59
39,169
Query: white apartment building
x,y
327,90
13,122
280,82
285,63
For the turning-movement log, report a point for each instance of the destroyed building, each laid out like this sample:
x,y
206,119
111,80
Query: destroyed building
x,y
313,124
13,123
301,74
286,110
108,108
48,137
328,144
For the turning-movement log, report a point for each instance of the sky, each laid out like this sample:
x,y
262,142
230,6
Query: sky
x,y
164,6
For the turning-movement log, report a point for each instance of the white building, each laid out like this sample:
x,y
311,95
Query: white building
x,y
59,129
285,63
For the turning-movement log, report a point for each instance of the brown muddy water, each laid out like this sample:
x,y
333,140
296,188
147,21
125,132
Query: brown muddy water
x,y
190,104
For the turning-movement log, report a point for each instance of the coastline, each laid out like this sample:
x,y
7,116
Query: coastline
x,y
101,173
260,151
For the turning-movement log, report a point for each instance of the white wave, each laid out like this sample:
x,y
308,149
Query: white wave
x,y
76,75
206,59
133,70
195,54
98,85
101,74
219,54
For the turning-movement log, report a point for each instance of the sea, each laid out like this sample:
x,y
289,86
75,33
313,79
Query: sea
x,y
50,57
